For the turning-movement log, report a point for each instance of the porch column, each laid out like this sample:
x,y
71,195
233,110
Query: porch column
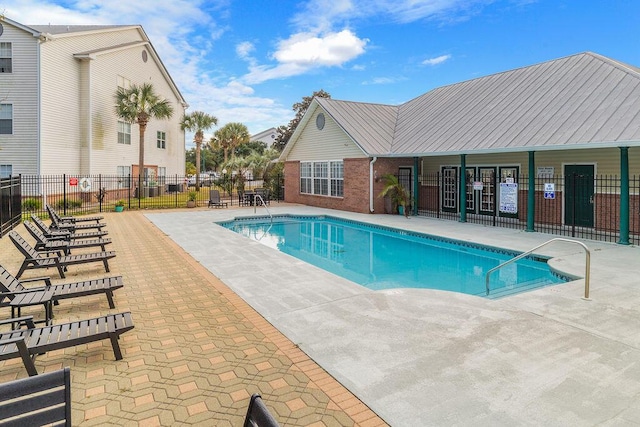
x,y
624,196
531,200
416,186
463,188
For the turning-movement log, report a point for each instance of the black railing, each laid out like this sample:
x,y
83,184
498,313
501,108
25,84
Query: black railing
x,y
577,206
79,195
10,204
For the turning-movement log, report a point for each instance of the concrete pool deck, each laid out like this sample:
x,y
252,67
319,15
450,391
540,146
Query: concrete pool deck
x,y
423,357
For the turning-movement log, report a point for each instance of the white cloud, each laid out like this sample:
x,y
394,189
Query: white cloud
x,y
383,80
437,60
244,49
306,51
322,15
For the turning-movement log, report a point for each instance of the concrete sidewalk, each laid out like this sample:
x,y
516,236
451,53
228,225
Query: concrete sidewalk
x,y
423,357
197,352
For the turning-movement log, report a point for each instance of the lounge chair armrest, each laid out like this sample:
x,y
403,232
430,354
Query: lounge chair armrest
x,y
45,279
27,320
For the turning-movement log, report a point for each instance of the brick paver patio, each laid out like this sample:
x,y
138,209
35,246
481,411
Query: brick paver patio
x,y
197,352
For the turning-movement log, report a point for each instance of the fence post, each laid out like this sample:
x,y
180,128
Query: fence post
x,y
463,188
624,196
531,199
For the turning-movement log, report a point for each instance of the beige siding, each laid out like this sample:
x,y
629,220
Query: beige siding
x,y
606,160
107,154
327,144
20,89
79,123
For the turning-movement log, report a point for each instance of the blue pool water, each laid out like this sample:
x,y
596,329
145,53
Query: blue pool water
x,y
383,258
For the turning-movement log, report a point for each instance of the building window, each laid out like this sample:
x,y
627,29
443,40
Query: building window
x,y
124,174
124,83
5,57
322,178
5,171
337,179
161,139
124,133
305,177
6,119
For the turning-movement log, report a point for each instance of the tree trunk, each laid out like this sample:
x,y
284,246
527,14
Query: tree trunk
x,y
143,127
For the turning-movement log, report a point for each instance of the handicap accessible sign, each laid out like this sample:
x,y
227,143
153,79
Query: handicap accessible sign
x,y
549,190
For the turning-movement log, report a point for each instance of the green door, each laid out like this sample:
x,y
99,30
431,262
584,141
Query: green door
x,y
578,195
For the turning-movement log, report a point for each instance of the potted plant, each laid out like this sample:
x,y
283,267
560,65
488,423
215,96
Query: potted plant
x,y
119,205
192,196
395,191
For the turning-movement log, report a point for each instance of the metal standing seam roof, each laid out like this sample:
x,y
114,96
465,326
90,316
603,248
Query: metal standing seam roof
x,y
580,101
372,125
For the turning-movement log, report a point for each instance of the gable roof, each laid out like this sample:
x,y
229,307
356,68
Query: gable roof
x,y
580,101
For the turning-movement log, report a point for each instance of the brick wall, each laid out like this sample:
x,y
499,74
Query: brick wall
x,y
356,185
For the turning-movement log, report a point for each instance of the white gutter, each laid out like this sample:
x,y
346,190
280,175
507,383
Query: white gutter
x,y
371,180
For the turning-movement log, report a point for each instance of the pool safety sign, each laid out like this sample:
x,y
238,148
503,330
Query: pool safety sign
x,y
549,190
509,197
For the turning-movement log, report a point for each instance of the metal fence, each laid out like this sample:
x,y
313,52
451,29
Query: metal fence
x,y
577,206
10,204
73,195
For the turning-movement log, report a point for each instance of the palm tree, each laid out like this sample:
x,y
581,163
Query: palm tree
x,y
139,104
229,136
198,122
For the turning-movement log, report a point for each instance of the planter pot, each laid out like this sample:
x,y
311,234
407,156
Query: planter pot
x,y
401,210
119,208
191,204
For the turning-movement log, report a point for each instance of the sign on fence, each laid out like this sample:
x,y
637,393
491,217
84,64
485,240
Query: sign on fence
x,y
509,197
73,181
549,190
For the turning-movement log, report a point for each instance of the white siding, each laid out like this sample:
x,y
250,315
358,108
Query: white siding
x,y
20,88
330,143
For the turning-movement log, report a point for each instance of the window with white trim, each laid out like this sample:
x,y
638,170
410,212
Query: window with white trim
x,y
6,171
6,58
337,179
322,178
6,119
305,178
124,133
124,83
161,139
124,174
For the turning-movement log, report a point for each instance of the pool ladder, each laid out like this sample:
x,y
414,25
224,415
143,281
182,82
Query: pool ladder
x,y
587,262
255,206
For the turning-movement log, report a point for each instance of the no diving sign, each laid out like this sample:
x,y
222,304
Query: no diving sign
x,y
549,190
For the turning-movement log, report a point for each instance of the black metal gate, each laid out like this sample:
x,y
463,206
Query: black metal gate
x,y
10,204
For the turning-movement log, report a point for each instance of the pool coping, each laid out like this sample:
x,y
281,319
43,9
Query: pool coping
x,y
435,356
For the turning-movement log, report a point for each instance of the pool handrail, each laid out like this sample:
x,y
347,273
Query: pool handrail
x,y
255,205
557,239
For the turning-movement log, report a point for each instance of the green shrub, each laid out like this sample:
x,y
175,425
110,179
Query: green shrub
x,y
31,205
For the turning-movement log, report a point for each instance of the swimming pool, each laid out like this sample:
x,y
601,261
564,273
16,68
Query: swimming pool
x,y
380,257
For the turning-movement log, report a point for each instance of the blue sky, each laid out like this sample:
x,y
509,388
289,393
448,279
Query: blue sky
x,y
249,61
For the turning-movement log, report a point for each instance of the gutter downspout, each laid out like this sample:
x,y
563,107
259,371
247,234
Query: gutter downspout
x,y
371,180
